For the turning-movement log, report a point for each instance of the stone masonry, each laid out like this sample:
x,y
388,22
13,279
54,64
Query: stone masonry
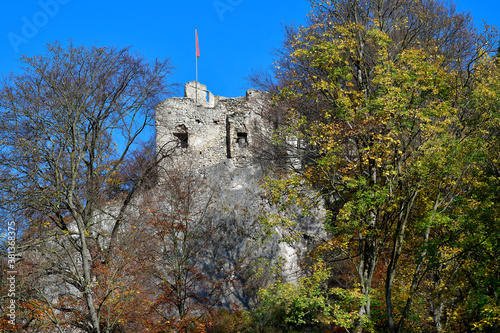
x,y
208,129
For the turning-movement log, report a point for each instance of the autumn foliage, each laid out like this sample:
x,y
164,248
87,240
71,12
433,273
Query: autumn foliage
x,y
394,129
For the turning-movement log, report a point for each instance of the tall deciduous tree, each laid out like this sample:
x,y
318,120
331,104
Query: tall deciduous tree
x,y
69,121
175,216
191,267
379,97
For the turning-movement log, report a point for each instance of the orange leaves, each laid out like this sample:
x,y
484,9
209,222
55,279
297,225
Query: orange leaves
x,y
181,278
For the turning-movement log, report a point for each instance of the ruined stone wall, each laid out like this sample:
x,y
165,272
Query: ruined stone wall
x,y
207,129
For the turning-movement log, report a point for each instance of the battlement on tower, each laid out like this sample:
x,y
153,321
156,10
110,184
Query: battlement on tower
x,y
200,94
204,129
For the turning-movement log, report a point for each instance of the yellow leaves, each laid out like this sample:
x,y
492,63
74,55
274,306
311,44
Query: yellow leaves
x,y
378,161
491,318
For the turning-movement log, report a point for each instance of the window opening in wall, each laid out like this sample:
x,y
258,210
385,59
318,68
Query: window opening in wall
x,y
241,139
228,138
183,139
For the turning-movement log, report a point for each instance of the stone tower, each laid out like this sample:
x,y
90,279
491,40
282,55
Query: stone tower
x,y
207,129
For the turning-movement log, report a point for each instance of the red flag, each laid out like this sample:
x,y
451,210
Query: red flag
x,y
197,46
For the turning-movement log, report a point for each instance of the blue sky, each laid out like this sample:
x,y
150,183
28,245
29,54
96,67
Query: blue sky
x,y
235,36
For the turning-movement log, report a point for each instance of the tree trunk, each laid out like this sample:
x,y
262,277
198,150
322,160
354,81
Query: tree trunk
x,y
368,260
399,235
87,279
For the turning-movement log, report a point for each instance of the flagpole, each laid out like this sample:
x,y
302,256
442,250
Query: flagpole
x,y
196,56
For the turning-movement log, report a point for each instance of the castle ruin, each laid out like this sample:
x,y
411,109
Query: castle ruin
x,y
219,138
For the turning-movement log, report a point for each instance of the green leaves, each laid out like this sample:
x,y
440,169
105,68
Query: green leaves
x,y
309,303
395,141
